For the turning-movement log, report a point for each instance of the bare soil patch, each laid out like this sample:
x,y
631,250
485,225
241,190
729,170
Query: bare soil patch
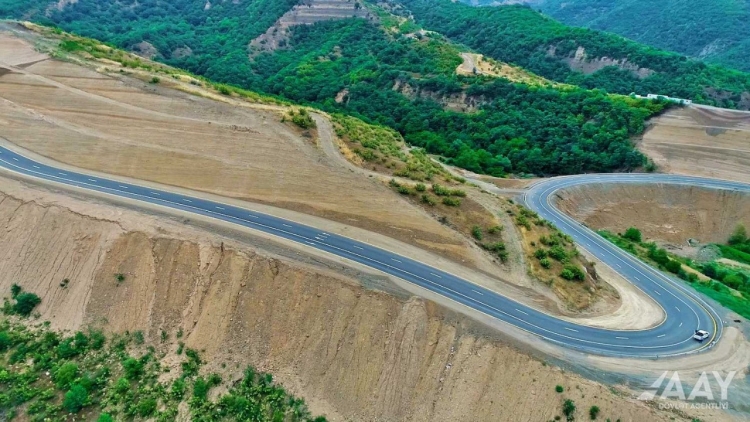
x,y
700,141
667,213
123,126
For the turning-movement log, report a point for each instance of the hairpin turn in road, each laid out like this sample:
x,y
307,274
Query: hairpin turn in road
x,y
685,311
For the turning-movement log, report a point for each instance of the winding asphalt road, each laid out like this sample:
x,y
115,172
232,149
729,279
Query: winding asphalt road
x,y
685,311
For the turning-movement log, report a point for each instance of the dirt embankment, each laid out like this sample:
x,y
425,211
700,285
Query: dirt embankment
x,y
700,141
353,353
672,214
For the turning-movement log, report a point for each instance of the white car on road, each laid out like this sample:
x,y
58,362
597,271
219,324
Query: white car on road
x,y
701,335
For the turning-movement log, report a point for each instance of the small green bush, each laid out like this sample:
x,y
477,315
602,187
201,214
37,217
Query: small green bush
x,y
476,232
155,80
541,253
451,202
739,235
65,375
15,290
25,303
427,199
133,368
558,253
573,272
633,234
146,407
105,417
559,388
495,229
440,190
403,190
545,263
420,187
569,409
673,266
594,412
75,399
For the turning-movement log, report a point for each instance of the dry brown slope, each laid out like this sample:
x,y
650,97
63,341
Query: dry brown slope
x,y
122,126
668,213
701,141
354,354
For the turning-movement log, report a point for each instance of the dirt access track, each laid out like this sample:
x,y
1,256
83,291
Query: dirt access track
x,y
700,141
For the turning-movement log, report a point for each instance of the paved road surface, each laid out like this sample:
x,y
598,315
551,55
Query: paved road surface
x,y
685,311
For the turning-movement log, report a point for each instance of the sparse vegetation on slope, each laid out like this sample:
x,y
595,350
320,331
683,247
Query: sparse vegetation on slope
x,y
554,259
450,206
382,149
45,375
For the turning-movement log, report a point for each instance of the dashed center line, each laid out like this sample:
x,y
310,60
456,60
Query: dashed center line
x,y
15,159
622,338
92,180
356,247
186,200
219,208
36,167
435,275
678,309
155,193
396,260
570,329
253,216
657,292
286,225
518,310
660,336
477,292
61,173
125,187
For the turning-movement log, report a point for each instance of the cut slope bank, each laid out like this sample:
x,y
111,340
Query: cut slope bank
x,y
663,212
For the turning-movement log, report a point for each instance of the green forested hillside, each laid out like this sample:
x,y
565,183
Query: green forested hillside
x,y
520,35
717,31
389,73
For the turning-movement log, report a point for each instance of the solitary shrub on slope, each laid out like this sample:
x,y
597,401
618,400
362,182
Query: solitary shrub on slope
x,y
633,234
25,303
